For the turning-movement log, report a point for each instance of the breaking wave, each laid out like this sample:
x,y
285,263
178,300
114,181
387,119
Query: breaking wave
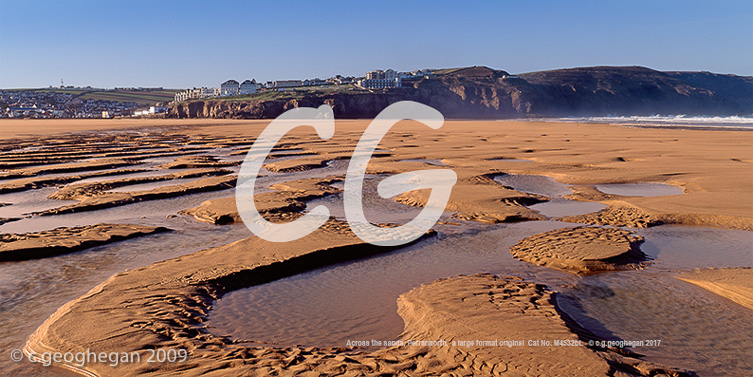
x,y
745,121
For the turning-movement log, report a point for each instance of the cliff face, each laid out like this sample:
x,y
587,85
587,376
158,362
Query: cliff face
x,y
360,105
480,92
640,91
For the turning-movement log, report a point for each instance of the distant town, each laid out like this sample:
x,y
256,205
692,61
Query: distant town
x,y
377,79
88,102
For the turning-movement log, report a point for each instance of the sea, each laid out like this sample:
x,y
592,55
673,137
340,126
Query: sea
x,y
742,122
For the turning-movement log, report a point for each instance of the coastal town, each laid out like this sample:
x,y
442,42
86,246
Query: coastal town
x,y
88,102
76,102
376,79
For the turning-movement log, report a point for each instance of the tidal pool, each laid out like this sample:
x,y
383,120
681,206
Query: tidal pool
x,y
557,206
357,300
639,189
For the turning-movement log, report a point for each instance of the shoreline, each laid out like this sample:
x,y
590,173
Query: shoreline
x,y
124,124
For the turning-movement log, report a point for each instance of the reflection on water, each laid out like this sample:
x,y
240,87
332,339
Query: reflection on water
x,y
534,184
154,185
683,247
639,189
357,300
267,178
152,212
557,206
376,209
429,161
151,173
509,159
30,291
698,330
26,202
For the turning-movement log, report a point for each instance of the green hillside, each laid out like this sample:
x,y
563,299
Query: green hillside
x,y
140,97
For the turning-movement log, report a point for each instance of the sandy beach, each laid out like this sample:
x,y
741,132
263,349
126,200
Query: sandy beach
x,y
571,206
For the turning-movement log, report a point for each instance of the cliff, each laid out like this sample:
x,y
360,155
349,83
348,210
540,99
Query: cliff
x,y
481,92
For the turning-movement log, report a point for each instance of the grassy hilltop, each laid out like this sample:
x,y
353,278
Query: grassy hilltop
x,y
140,97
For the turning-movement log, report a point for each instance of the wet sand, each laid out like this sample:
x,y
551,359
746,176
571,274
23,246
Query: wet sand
x,y
735,284
582,249
164,305
16,247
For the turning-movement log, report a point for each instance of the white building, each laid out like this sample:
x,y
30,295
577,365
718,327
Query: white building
x,y
417,74
287,83
390,75
422,73
315,82
379,79
229,88
379,84
196,93
152,110
248,87
157,109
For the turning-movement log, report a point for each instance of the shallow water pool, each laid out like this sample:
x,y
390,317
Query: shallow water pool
x,y
557,206
357,300
639,189
534,184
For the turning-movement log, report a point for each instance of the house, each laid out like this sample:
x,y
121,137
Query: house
x,y
379,84
287,83
203,92
340,80
157,109
248,87
229,88
379,79
424,73
21,112
152,110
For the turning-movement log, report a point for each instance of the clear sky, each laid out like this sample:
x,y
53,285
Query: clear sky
x,y
179,44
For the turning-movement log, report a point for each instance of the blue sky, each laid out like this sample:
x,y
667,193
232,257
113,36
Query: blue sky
x,y
179,44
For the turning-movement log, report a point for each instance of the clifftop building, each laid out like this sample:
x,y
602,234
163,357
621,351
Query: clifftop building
x,y
248,87
417,74
196,93
229,88
378,74
287,83
379,79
